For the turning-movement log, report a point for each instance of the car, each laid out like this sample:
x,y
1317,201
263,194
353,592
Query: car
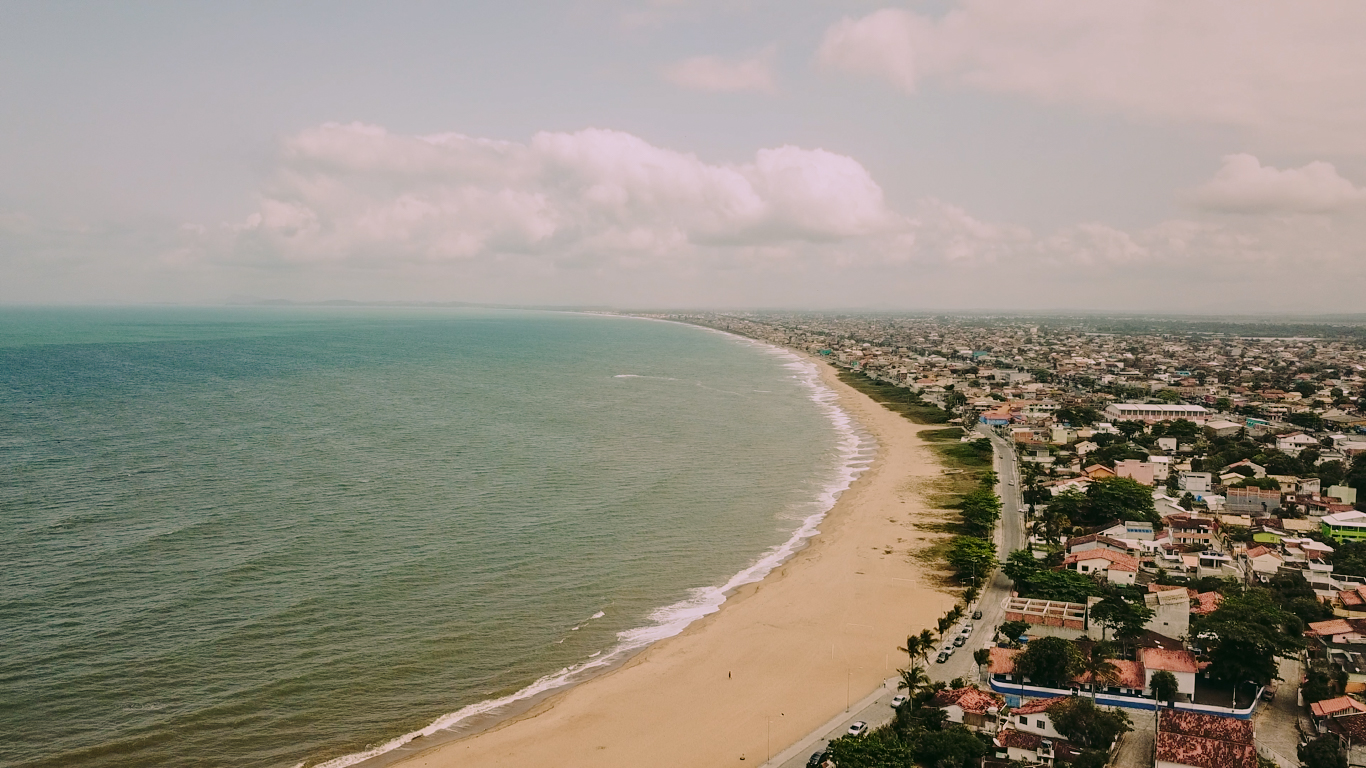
x,y
949,649
815,760
967,629
941,658
959,641
898,700
858,729
976,615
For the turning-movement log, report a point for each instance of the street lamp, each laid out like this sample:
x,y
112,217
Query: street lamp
x,y
769,718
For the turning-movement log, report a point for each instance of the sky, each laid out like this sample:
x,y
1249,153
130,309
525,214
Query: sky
x,y
798,154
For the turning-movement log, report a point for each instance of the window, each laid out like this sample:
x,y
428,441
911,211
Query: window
x,y
1041,724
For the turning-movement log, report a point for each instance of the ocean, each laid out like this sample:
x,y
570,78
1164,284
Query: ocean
x,y
301,536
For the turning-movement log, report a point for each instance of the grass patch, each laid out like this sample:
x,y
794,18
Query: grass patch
x,y
894,398
964,456
951,434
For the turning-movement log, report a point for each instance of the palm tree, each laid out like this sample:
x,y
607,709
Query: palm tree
x,y
912,680
1098,667
919,646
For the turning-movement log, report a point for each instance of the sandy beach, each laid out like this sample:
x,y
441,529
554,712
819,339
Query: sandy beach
x,y
787,653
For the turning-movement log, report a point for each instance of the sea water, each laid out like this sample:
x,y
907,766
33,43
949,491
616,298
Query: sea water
x,y
274,536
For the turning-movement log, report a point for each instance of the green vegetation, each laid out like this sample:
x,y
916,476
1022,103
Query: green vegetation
x,y
1081,722
1165,686
1106,501
1244,635
1049,661
1323,752
894,398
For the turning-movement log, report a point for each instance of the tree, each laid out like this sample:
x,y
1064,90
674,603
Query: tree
x,y
1021,566
919,646
1244,635
981,657
954,747
981,508
1049,661
1126,619
1119,498
1183,428
1012,631
972,558
873,750
1063,586
1164,686
1098,666
1090,758
1323,752
913,679
1130,428
1081,722
1318,685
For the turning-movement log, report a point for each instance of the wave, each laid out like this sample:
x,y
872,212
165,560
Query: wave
x,y
856,450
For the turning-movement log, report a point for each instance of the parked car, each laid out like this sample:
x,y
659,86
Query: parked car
x,y
898,700
959,641
941,658
977,615
949,649
858,729
815,760
967,629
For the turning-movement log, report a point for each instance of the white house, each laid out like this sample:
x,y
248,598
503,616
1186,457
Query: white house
x,y
1181,664
1032,717
1116,567
1295,442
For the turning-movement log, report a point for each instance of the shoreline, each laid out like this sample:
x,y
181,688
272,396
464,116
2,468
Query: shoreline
x,y
857,449
835,609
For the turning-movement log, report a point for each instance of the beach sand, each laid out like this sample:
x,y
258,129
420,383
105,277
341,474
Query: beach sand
x,y
788,652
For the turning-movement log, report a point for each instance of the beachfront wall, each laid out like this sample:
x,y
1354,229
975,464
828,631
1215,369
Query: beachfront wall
x,y
1130,700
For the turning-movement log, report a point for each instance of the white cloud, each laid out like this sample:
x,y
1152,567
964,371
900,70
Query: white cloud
x,y
1292,73
713,73
604,217
1244,185
881,44
356,192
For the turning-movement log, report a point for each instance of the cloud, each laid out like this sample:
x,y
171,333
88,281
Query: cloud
x,y
1244,185
357,192
604,217
716,74
1290,73
881,44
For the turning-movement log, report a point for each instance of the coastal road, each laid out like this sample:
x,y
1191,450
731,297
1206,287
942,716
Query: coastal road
x,y
876,708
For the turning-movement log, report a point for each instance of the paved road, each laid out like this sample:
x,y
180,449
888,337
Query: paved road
x,y
876,708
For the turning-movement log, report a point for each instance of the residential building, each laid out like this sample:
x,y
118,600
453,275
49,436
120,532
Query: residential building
x,y
1194,740
1344,526
972,707
1154,412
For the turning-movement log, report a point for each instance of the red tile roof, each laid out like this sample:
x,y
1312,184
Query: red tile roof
x,y
1257,551
1020,740
1351,726
1204,741
1036,706
1118,560
1169,659
1003,660
1330,707
1209,601
973,700
1128,674
1205,726
1330,627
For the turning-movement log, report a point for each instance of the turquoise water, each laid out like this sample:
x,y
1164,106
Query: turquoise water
x,y
261,537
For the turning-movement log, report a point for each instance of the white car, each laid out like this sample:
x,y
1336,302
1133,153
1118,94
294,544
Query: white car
x,y
898,700
858,729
